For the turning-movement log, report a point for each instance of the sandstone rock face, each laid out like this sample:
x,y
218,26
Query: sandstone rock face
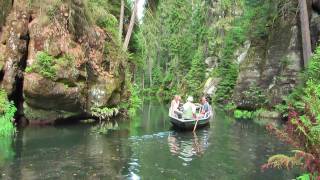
x,y
210,86
270,69
80,74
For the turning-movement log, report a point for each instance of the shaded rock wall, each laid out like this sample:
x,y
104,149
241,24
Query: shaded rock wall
x,y
84,75
271,66
270,69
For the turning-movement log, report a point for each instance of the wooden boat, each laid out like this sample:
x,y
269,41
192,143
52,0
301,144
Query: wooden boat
x,y
187,124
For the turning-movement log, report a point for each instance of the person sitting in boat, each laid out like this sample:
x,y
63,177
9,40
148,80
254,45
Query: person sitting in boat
x,y
205,106
174,105
189,109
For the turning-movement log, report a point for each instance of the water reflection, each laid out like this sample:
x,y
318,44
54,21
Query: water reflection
x,y
144,148
190,146
6,150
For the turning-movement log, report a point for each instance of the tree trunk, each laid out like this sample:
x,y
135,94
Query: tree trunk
x,y
150,70
142,80
132,21
121,20
305,32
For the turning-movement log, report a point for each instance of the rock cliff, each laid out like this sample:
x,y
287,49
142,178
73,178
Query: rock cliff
x,y
56,63
270,69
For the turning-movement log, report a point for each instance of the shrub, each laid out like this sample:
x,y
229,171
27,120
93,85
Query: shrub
x,y
303,132
47,65
44,64
134,102
7,112
243,114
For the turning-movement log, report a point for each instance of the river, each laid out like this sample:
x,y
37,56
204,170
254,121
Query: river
x,y
143,148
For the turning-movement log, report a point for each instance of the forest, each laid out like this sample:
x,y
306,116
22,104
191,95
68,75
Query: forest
x,y
107,61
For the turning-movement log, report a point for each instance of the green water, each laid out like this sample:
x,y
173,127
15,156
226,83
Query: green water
x,y
145,148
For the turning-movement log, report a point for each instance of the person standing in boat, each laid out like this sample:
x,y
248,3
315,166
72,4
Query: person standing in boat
x,y
189,109
174,105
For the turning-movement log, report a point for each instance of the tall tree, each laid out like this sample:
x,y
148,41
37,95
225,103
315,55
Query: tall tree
x,y
121,20
132,21
305,31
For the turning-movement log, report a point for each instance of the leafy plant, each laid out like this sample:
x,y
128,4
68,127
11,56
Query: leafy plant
x,y
243,114
47,65
104,113
7,112
303,131
134,102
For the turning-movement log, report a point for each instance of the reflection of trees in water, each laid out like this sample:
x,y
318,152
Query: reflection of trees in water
x,y
6,150
187,147
73,154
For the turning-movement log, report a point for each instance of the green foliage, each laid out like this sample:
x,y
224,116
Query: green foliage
x,y
230,107
134,103
297,97
260,13
101,13
104,113
304,177
47,65
283,109
313,69
196,74
172,41
7,112
255,95
307,176
44,65
229,74
243,114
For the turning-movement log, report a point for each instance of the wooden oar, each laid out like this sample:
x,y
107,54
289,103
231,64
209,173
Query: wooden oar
x,y
197,119
195,126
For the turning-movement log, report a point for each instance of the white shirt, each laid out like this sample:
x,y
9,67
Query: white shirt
x,y
189,109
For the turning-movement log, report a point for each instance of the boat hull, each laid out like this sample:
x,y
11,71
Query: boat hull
x,y
189,124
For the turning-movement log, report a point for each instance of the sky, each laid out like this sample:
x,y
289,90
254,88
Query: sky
x,y
140,9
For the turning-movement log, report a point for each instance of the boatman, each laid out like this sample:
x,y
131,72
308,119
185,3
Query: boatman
x,y
189,109
205,106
